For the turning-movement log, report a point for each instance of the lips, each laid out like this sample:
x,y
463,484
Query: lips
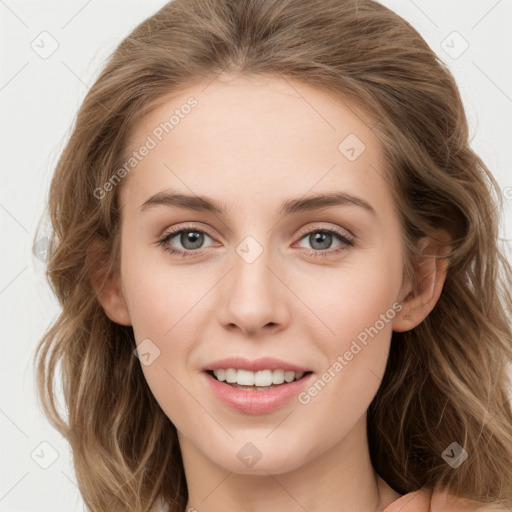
x,y
263,363
255,402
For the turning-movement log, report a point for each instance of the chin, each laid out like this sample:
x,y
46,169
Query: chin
x,y
275,464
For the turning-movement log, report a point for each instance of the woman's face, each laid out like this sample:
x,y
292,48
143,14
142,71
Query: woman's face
x,y
260,277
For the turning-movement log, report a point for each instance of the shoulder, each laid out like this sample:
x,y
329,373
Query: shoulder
x,y
445,501
429,500
416,501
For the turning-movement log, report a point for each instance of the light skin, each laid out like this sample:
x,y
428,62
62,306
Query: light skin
x,y
251,144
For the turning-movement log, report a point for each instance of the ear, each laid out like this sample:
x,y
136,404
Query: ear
x,y
421,297
107,285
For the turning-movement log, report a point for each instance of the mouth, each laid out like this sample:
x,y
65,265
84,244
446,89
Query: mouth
x,y
260,392
266,381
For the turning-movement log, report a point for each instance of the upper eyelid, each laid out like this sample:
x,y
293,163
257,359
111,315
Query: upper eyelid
x,y
187,228
308,230
301,234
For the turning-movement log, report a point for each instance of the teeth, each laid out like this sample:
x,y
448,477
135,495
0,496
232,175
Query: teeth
x,y
262,378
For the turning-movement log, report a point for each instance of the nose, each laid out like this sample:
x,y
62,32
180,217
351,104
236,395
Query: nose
x,y
254,296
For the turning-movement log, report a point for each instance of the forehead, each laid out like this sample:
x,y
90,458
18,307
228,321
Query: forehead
x,y
237,137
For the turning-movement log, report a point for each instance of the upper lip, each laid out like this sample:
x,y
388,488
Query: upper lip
x,y
263,363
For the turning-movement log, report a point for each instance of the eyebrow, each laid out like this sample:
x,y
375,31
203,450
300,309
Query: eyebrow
x,y
294,205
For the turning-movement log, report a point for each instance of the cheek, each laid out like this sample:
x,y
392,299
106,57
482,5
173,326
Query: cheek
x,y
359,310
162,313
354,297
355,360
164,305
366,300
161,297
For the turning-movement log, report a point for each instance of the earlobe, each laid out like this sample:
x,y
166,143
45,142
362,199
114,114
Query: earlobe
x,y
421,299
107,286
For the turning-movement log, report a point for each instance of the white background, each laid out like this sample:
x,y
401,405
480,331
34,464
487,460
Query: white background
x,y
38,101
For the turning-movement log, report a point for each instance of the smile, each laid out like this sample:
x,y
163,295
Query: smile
x,y
252,398
263,379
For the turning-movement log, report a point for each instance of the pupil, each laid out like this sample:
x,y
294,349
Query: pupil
x,y
191,239
324,240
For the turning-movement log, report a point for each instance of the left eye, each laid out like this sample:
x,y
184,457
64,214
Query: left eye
x,y
322,240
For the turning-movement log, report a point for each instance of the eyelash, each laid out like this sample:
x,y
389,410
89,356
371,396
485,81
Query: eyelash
x,y
348,242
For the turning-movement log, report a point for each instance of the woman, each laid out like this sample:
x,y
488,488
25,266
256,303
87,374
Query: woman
x,y
278,263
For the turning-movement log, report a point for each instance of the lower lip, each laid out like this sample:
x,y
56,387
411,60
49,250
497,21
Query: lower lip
x,y
253,401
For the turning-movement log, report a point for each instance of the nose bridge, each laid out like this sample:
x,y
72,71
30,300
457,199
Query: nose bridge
x,y
254,297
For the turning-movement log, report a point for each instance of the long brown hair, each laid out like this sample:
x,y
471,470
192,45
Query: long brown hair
x,y
446,380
